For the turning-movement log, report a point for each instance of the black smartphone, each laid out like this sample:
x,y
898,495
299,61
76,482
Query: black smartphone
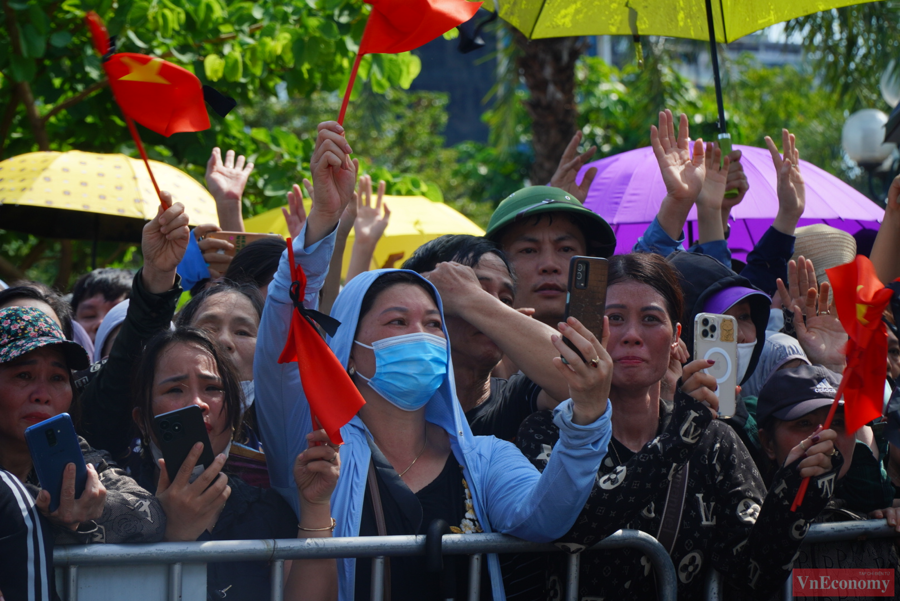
x,y
176,434
586,295
53,445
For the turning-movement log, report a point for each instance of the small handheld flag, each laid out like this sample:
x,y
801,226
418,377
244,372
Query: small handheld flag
x,y
159,95
333,398
396,26
860,299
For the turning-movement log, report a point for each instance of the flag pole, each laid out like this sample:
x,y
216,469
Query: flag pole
x,y
349,88
801,492
140,146
295,315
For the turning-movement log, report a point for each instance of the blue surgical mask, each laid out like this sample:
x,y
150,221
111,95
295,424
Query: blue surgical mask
x,y
408,369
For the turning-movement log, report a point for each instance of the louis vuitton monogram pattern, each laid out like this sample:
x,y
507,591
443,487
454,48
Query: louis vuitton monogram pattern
x,y
728,521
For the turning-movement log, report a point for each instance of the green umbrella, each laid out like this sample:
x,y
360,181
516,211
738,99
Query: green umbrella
x,y
713,20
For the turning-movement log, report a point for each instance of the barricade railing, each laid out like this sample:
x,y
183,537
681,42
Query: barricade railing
x,y
175,555
818,533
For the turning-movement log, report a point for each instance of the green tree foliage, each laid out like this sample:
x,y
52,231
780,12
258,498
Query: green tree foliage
x,y
850,48
53,94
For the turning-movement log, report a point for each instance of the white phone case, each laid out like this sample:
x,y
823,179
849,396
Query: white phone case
x,y
715,338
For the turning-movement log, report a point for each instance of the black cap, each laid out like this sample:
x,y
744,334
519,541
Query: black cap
x,y
792,393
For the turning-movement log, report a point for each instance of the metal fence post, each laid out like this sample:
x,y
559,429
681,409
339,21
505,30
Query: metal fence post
x,y
474,576
175,582
713,585
378,578
72,583
573,564
278,580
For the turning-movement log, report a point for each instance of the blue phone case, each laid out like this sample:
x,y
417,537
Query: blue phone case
x,y
53,445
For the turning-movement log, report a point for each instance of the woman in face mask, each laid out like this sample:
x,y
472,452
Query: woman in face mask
x,y
185,367
409,456
710,287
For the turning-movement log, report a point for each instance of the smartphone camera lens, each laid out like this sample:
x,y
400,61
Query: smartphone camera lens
x,y
51,438
580,267
164,425
712,329
176,427
705,333
705,321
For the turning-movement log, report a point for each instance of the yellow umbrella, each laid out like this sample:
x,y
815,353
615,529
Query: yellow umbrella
x,y
713,20
85,195
732,19
414,221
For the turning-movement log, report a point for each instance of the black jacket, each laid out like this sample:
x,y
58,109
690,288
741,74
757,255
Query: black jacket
x,y
106,400
728,521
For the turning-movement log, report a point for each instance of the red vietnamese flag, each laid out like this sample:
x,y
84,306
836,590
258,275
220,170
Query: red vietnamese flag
x,y
159,95
401,25
860,299
333,398
163,97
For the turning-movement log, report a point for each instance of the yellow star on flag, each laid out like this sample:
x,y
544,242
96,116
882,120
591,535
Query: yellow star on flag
x,y
148,72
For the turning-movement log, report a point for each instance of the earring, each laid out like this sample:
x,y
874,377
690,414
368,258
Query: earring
x,y
351,370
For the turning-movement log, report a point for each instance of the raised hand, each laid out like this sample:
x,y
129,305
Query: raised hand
x,y
589,383
821,334
192,507
295,213
712,193
801,278
791,189
737,180
226,179
163,242
334,180
71,511
817,447
682,173
567,171
702,386
371,220
457,284
316,469
678,356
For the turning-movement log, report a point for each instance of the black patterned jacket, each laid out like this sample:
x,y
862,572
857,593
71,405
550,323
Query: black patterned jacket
x,y
728,521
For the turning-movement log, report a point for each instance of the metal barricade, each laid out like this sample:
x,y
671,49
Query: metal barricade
x,y
818,533
177,555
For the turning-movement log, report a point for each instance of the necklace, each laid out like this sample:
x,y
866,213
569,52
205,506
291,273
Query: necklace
x,y
615,450
424,446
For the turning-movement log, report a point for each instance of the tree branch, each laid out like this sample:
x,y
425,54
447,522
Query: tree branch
x,y
10,272
9,113
23,87
75,99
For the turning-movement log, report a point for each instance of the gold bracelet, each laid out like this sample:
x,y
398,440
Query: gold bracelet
x,y
331,528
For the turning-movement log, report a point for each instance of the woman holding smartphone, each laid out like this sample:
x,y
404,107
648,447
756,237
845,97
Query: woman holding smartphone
x,y
672,470
186,367
408,456
36,363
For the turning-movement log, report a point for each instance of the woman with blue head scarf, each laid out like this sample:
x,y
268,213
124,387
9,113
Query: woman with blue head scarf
x,y
409,456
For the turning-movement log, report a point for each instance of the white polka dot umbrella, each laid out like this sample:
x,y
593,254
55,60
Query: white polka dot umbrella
x,y
85,195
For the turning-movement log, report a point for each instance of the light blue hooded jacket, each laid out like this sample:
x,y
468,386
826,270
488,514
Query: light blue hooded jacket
x,y
509,494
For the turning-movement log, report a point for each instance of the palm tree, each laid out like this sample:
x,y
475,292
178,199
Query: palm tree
x,y
851,48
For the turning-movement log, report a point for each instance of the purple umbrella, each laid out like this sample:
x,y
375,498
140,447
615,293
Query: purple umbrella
x,y
629,188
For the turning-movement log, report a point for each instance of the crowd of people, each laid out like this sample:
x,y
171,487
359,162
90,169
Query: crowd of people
x,y
485,405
